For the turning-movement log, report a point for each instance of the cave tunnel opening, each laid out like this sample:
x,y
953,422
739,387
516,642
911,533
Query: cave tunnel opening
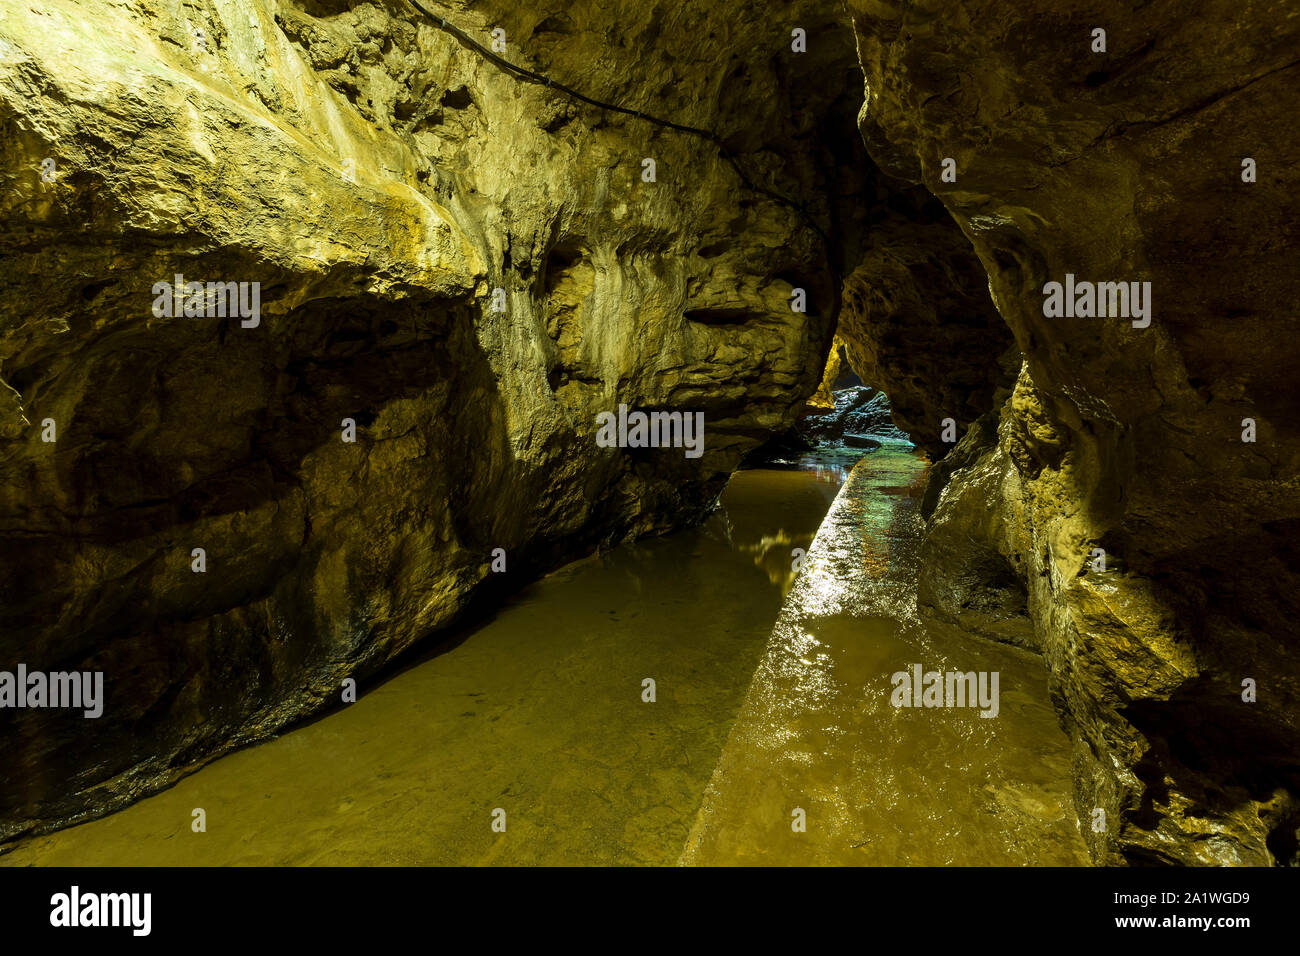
x,y
437,582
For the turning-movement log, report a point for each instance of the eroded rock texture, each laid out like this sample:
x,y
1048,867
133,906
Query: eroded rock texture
x,y
918,321
1122,166
380,181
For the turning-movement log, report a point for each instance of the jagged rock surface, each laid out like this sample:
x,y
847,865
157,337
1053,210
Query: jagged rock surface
x,y
859,411
1123,166
379,180
919,324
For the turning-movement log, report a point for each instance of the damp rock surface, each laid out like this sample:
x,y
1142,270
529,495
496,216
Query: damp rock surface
x,y
468,268
1125,164
821,767
860,417
381,183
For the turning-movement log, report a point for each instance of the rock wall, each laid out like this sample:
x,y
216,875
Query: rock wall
x,y
919,323
1127,165
380,181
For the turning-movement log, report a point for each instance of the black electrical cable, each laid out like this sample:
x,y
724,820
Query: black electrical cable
x,y
532,77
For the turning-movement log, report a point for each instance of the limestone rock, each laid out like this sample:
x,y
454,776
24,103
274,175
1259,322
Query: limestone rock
x,y
919,324
858,412
1127,166
970,573
469,267
823,400
380,182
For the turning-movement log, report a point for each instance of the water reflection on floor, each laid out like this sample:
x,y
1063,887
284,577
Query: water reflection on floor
x,y
539,712
879,784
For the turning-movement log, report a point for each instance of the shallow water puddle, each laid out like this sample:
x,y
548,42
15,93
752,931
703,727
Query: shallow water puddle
x,y
538,712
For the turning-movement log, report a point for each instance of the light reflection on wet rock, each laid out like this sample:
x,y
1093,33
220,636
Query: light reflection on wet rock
x,y
880,784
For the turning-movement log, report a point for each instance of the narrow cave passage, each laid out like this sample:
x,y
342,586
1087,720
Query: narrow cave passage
x,y
679,648
955,525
